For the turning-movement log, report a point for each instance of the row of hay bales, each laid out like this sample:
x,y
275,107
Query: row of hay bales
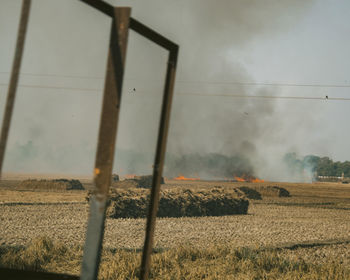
x,y
47,185
178,202
133,203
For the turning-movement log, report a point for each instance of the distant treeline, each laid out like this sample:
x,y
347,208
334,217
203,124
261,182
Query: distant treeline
x,y
321,166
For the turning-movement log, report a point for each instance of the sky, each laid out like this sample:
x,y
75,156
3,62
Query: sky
x,y
222,45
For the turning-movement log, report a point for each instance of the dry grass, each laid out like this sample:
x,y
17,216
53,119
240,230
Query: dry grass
x,y
178,263
265,225
44,197
314,213
42,254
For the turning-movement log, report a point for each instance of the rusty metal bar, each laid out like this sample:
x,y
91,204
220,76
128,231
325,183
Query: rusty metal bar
x,y
152,35
106,142
11,95
158,163
102,6
135,25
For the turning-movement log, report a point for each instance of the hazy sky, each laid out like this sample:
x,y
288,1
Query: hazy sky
x,y
283,42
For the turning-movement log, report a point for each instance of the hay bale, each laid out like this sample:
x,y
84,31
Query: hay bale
x,y
57,184
145,181
274,191
250,193
133,203
115,177
71,184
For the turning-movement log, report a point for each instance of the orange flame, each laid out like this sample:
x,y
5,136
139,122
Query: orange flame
x,y
257,180
248,179
239,179
183,178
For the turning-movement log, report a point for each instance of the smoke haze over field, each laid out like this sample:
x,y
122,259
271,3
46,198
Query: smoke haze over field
x,y
220,42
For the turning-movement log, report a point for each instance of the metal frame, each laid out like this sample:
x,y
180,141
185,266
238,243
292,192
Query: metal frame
x,y
121,22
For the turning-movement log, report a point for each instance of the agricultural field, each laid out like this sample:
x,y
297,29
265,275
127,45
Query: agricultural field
x,y
304,235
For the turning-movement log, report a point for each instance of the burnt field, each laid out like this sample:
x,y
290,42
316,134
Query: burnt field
x,y
312,224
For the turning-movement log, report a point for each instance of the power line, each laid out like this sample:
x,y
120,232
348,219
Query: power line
x,y
265,96
198,94
57,87
56,75
268,84
200,82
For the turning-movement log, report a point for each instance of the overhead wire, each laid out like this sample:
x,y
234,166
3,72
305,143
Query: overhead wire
x,y
267,84
56,87
317,85
233,95
265,96
56,75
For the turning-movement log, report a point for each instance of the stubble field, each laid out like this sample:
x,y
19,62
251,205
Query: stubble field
x,y
313,225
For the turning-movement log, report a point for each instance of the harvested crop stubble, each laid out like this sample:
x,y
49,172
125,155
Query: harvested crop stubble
x,y
183,262
133,203
57,184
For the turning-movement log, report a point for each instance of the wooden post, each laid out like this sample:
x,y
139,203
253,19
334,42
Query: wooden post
x,y
16,66
106,142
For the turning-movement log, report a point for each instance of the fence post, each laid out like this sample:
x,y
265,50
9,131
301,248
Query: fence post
x,y
106,142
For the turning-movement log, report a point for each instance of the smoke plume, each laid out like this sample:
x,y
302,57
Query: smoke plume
x,y
211,35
